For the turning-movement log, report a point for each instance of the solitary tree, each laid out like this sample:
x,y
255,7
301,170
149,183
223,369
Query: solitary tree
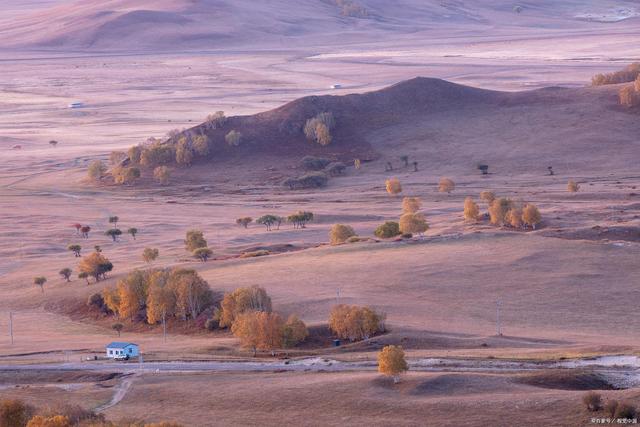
x,y
117,327
84,231
405,160
471,210
114,233
446,185
340,233
75,249
391,362
114,220
387,230
150,254
95,265
77,226
194,240
244,221
414,223
133,231
357,163
162,174
66,274
573,186
203,254
393,186
40,281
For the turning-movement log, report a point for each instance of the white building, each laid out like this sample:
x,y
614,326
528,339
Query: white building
x,y
122,350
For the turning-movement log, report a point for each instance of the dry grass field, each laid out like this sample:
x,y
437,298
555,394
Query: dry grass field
x,y
568,289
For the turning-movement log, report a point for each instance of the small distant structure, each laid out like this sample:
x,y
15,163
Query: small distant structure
x,y
76,104
122,350
484,169
16,147
336,86
550,169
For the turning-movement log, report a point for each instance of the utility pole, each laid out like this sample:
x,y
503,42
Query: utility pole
x,y
498,326
11,326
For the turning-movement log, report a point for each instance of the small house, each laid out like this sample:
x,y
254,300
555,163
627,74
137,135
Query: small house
x,y
122,349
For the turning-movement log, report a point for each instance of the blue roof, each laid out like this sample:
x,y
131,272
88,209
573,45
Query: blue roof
x,y
117,344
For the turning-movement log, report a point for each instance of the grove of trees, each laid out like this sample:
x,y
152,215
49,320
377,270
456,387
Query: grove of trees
x,y
354,322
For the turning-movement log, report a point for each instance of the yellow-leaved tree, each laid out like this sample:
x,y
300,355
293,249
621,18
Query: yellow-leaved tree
x,y
391,362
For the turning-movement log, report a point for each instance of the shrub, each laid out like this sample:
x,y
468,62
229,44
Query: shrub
x,y
387,230
315,163
340,233
593,401
96,300
53,421
184,152
14,413
254,254
573,186
628,74
610,407
629,97
446,185
393,186
531,215
96,170
471,210
411,204
212,324
201,145
244,221
355,323
157,154
203,254
116,157
391,362
215,120
625,410
125,175
335,168
242,300
318,129
414,223
194,240
162,175
308,180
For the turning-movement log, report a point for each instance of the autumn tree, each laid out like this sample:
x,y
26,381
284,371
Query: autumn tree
x,y
40,281
133,231
446,185
244,221
66,274
134,154
241,300
498,211
392,362
132,293
629,97
118,327
387,230
318,129
49,421
150,254
84,231
192,292
514,216
259,330
531,216
14,413
96,170
161,298
162,175
339,233
487,196
233,138
95,265
203,254
354,322
184,153
414,223
471,210
75,249
215,120
573,186
125,175
294,332
194,240
411,204
116,157
201,145
393,186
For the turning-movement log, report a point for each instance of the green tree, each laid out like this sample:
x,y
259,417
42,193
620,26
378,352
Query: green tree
x,y
40,281
96,170
118,327
133,231
150,254
66,274
75,249
203,254
194,240
114,233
